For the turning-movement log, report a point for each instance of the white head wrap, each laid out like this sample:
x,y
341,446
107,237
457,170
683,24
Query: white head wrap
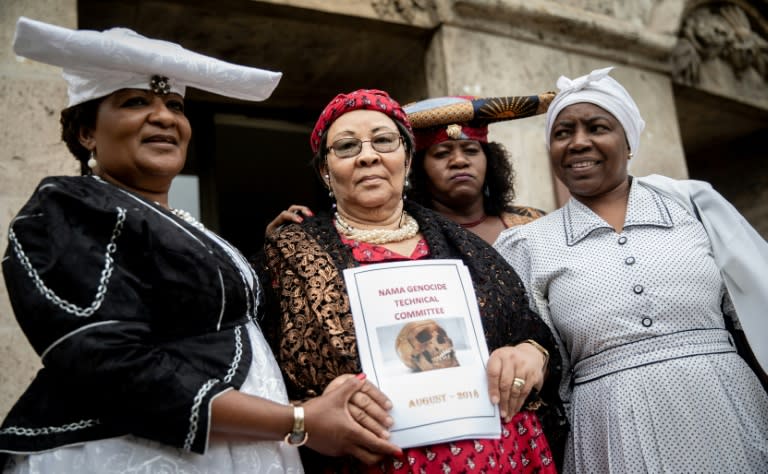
x,y
600,89
96,64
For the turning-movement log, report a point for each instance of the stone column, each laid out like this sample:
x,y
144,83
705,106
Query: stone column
x,y
31,95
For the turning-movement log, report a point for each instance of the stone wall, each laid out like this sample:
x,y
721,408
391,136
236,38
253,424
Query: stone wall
x,y
485,64
31,95
515,47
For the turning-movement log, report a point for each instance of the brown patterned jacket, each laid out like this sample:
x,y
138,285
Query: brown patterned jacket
x,y
309,323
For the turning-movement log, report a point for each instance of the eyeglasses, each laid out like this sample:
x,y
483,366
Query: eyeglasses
x,y
351,147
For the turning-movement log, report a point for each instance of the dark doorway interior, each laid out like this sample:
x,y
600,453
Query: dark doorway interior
x,y
252,159
725,144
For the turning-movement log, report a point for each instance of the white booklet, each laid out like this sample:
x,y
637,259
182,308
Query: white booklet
x,y
421,341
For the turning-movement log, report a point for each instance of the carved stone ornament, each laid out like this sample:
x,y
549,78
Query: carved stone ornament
x,y
405,9
719,30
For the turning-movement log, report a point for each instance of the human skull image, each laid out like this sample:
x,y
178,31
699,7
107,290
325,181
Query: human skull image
x,y
424,345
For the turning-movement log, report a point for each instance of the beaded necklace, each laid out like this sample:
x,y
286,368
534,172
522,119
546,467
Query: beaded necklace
x,y
188,218
409,228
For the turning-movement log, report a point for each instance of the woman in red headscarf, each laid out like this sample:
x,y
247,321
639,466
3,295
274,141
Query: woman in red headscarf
x,y
457,171
363,145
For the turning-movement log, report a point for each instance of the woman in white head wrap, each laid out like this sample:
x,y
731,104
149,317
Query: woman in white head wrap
x,y
144,320
636,280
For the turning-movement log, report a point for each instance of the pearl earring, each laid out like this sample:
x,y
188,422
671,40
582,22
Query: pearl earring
x,y
92,160
630,155
328,181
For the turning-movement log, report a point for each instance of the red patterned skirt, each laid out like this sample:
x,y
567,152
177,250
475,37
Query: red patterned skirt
x,y
522,448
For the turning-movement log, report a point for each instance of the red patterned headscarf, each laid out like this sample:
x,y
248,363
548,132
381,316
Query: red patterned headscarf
x,y
361,99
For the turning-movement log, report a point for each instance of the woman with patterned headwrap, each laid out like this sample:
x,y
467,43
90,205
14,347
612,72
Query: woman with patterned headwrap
x,y
458,172
363,146
648,283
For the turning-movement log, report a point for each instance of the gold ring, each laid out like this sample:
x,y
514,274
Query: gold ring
x,y
517,383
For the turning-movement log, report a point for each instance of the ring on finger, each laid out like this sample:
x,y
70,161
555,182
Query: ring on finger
x,y
518,383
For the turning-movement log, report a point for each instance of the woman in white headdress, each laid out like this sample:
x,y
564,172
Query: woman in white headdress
x,y
642,280
144,320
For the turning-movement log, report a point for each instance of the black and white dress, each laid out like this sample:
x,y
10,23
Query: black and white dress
x,y
140,319
653,378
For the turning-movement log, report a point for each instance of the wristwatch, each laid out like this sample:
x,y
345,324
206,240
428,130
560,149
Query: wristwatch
x,y
297,436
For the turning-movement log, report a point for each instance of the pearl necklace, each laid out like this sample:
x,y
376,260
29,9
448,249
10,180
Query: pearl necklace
x,y
188,218
408,229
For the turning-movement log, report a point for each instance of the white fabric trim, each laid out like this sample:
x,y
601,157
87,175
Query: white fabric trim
x,y
20,431
237,357
223,299
195,413
72,333
152,208
210,425
104,277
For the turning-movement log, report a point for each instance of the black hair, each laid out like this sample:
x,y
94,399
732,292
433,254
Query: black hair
x,y
499,180
73,120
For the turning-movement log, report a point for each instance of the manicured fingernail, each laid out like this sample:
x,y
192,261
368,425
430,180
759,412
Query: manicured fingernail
x,y
361,376
389,422
310,214
495,400
299,219
503,414
388,405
